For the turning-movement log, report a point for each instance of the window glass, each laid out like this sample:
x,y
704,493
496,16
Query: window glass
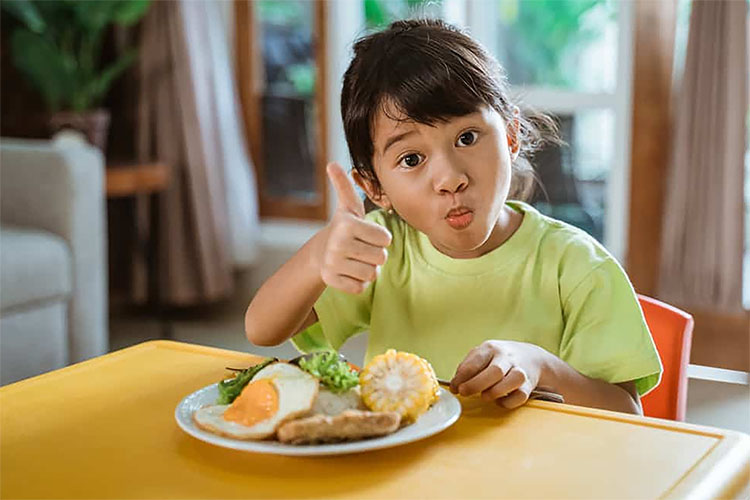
x,y
380,13
288,100
574,177
570,44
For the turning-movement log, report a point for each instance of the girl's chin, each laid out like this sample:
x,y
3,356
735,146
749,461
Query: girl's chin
x,y
465,245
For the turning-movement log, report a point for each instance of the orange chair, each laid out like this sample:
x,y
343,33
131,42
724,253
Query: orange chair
x,y
672,331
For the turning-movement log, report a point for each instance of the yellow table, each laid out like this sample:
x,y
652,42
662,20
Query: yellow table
x,y
105,429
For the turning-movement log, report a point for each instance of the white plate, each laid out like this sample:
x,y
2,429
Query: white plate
x,y
439,417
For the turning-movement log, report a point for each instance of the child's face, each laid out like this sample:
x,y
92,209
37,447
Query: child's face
x,y
449,181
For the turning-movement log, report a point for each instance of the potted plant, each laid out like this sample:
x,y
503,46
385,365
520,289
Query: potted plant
x,y
57,46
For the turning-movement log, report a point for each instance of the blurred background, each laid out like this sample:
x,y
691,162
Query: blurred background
x,y
162,159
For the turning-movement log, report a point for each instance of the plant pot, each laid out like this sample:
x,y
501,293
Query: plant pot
x,y
93,124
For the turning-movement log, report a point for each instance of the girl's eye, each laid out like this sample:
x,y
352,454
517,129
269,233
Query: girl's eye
x,y
410,160
466,139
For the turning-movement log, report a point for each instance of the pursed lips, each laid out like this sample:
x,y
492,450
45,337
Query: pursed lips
x,y
461,210
459,217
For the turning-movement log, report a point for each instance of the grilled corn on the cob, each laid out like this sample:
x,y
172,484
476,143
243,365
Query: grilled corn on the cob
x,y
400,382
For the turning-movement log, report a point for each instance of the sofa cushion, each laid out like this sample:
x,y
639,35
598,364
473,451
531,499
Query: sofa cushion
x,y
35,267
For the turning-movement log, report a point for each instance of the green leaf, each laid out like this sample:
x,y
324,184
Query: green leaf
x,y
129,12
45,67
375,14
26,12
99,86
93,17
230,389
334,374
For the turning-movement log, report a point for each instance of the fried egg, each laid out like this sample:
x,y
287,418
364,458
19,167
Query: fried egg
x,y
279,392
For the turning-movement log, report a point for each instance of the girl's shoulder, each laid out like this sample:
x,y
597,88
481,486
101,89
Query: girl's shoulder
x,y
571,252
563,241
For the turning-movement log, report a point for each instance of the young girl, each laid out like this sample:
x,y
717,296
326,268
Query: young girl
x,y
499,298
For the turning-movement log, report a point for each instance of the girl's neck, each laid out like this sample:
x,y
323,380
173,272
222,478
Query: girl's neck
x,y
507,223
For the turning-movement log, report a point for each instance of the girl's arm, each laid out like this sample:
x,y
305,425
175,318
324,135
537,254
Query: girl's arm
x,y
344,255
508,371
283,306
578,389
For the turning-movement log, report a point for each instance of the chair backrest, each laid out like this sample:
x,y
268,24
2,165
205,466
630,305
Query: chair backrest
x,y
672,331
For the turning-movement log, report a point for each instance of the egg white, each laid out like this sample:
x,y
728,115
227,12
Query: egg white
x,y
297,391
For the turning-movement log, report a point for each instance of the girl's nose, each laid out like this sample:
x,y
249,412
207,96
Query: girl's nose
x,y
449,178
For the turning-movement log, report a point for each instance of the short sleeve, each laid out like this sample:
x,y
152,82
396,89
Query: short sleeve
x,y
340,316
605,335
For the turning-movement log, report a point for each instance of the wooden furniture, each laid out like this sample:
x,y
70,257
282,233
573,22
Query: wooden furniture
x,y
143,182
105,428
136,179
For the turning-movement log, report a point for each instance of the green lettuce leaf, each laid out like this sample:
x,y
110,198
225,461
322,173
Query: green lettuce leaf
x,y
335,375
231,388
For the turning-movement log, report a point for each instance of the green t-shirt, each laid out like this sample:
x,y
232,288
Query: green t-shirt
x,y
549,284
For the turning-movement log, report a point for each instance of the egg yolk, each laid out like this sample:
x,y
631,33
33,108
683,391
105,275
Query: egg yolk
x,y
257,402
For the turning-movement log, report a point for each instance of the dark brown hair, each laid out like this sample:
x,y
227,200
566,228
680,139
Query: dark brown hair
x,y
429,71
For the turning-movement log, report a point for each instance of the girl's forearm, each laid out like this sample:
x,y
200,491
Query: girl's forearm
x,y
286,299
581,390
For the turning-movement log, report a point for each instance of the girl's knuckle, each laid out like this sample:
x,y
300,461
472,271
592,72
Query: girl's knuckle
x,y
496,371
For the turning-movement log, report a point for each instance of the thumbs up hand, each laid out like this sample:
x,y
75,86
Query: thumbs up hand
x,y
354,248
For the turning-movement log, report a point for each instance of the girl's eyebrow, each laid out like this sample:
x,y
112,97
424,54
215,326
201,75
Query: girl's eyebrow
x,y
477,115
394,139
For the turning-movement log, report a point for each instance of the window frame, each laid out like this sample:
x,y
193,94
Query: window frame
x,y
249,61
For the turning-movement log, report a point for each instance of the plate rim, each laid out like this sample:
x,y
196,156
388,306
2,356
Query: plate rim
x,y
275,448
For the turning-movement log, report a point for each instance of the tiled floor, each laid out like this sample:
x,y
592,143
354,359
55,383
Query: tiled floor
x,y
709,403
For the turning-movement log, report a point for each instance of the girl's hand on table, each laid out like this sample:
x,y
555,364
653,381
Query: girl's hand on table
x,y
503,371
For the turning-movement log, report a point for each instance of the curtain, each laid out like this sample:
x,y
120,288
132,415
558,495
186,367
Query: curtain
x,y
189,117
702,247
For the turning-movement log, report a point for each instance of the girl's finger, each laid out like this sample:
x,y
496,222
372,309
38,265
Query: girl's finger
x,y
357,270
369,254
493,373
348,199
346,284
372,233
516,398
514,379
474,362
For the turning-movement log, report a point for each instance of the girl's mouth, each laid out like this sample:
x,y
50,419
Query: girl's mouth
x,y
459,218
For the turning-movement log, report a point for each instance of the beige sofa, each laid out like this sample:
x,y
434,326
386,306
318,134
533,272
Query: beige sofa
x,y
53,271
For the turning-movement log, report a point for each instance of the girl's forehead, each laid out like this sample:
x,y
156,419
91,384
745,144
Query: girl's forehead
x,y
391,120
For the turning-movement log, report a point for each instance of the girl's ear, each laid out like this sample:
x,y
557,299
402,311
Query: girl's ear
x,y
513,132
374,192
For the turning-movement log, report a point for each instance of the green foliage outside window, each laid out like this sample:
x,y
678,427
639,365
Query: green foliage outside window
x,y
537,33
380,13
284,12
